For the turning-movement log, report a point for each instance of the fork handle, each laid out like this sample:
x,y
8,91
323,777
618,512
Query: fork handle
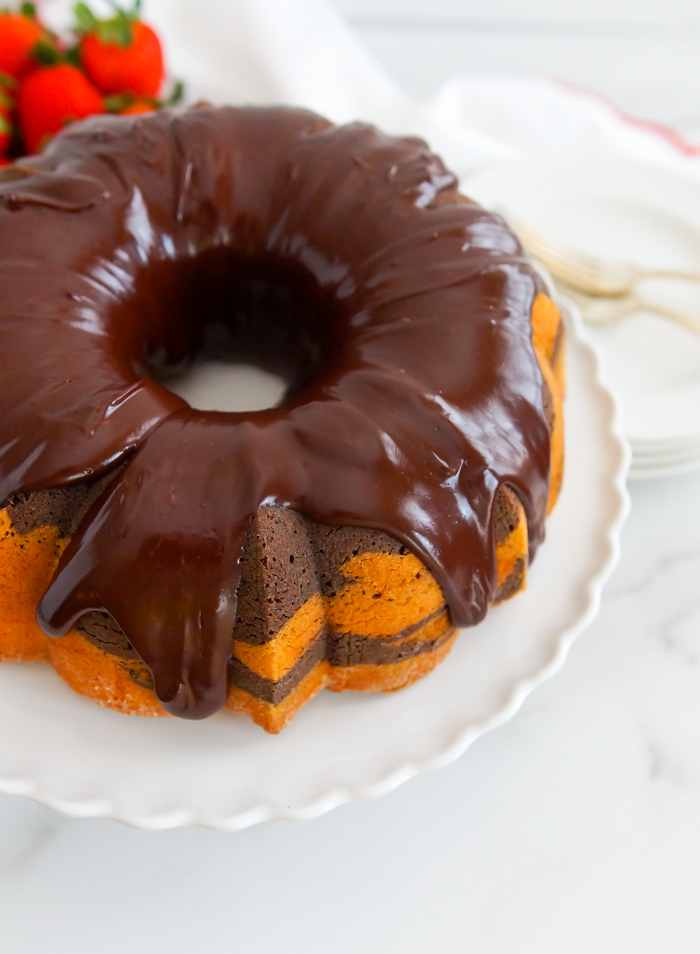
x,y
678,316
667,273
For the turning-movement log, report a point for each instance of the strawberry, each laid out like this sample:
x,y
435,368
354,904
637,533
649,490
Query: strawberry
x,y
122,54
19,35
50,98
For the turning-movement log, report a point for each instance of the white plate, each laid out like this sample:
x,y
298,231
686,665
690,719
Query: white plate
x,y
661,470
647,464
643,455
663,465
625,210
225,773
666,447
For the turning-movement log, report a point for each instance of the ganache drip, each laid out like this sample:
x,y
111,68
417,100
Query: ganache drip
x,y
400,321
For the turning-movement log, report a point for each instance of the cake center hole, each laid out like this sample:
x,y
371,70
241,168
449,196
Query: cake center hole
x,y
214,385
235,333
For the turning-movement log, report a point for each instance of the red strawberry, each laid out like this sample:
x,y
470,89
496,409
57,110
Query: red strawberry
x,y
50,98
19,35
122,54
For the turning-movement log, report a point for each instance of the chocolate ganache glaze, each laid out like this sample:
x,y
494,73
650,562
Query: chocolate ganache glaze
x,y
401,322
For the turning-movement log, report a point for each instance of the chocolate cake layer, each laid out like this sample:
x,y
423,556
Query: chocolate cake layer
x,y
349,649
60,507
275,691
513,584
278,574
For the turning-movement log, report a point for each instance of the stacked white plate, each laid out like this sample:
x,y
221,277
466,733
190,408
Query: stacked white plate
x,y
627,211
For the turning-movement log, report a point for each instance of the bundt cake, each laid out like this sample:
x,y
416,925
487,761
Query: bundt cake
x,y
166,560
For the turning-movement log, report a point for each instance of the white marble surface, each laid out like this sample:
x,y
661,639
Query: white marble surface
x,y
575,827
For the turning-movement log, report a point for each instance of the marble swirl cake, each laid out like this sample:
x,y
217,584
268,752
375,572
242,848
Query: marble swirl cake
x,y
166,560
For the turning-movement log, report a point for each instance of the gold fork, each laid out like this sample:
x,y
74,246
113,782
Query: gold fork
x,y
586,273
596,310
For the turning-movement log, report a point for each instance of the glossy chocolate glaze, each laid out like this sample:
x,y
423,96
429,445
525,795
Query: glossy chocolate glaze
x,y
401,323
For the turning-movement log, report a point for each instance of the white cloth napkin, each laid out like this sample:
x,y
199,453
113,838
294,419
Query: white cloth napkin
x,y
303,52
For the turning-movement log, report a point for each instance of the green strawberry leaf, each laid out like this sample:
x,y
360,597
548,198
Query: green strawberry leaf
x,y
9,82
72,56
115,104
28,10
135,14
116,29
46,54
85,19
176,95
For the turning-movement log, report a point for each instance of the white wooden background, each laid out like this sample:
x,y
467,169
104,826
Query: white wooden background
x,y
644,54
